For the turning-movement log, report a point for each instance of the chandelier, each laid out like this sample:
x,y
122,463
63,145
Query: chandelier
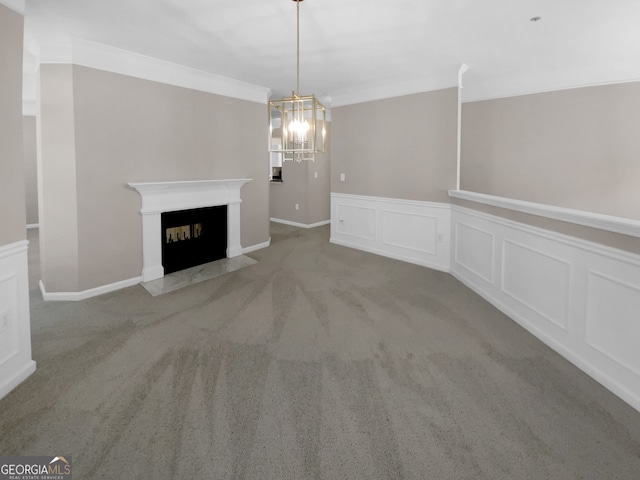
x,y
297,124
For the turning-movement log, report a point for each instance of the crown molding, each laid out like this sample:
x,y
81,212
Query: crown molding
x,y
493,88
368,93
17,6
103,57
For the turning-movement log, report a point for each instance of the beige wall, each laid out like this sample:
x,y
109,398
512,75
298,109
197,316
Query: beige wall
x,y
57,189
132,130
12,196
300,185
403,147
603,237
30,168
575,148
319,184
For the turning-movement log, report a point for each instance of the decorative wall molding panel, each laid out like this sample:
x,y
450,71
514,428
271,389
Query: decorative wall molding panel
x,y
15,324
610,223
111,59
412,231
158,197
580,298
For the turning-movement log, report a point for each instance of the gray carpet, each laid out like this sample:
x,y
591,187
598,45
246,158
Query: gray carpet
x,y
317,362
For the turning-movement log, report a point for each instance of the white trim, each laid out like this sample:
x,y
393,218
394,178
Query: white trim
x,y
587,245
368,93
83,295
32,226
16,363
17,6
579,217
258,246
301,225
616,387
582,257
463,69
111,59
396,201
19,377
412,231
13,249
159,197
493,91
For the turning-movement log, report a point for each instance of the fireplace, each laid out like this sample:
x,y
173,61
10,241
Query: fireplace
x,y
193,237
161,197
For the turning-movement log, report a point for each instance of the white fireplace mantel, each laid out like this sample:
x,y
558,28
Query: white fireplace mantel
x,y
159,197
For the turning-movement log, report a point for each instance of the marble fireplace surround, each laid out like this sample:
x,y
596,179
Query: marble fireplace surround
x,y
159,197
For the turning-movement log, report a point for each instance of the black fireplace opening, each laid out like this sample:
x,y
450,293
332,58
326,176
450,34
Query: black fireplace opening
x,y
193,237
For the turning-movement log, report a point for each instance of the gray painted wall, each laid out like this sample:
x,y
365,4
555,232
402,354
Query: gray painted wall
x,y
57,193
575,148
301,186
403,147
30,168
126,129
12,212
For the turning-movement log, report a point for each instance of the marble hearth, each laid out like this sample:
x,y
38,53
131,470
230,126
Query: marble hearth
x,y
159,197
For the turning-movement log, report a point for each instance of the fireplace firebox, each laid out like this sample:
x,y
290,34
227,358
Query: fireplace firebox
x,y
193,237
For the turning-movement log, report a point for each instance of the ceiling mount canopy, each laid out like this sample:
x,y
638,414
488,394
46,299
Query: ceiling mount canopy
x,y
297,124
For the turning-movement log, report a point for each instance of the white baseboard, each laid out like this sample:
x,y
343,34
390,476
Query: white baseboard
x,y
83,295
258,246
20,376
408,230
300,225
580,298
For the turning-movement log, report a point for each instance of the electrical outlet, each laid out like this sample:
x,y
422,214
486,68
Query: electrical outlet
x,y
315,174
343,177
440,237
297,207
5,320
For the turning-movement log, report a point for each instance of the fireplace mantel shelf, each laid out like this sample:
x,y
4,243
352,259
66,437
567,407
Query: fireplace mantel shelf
x,y
189,184
159,197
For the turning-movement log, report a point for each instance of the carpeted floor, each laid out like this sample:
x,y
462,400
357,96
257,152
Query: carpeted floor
x,y
317,362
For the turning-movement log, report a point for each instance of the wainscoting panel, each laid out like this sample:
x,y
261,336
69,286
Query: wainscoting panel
x,y
410,231
415,232
15,325
357,222
613,319
9,339
474,250
580,298
537,280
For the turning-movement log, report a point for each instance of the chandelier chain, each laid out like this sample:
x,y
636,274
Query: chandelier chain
x,y
297,47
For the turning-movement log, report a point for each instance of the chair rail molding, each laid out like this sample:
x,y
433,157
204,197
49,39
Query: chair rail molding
x,y
610,223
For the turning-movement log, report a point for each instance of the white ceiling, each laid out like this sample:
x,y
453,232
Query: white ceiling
x,y
350,44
